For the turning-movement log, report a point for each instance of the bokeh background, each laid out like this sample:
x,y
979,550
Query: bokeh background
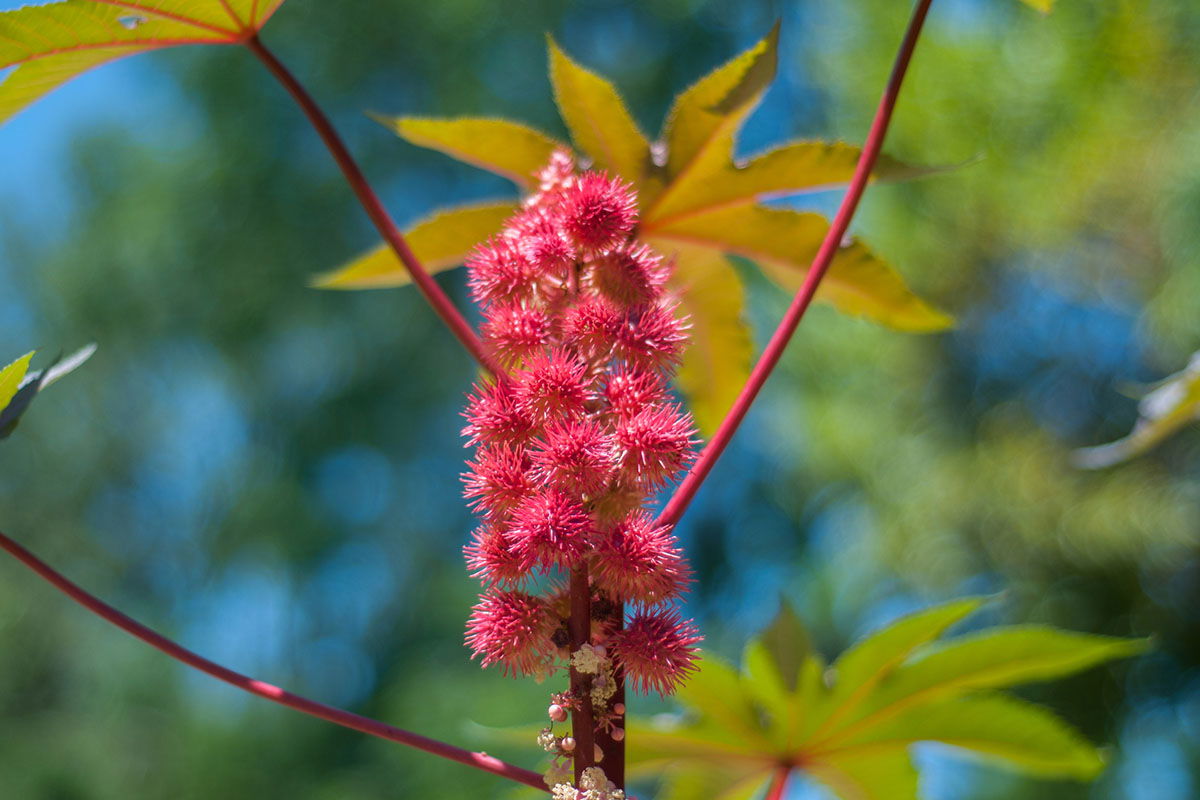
x,y
270,473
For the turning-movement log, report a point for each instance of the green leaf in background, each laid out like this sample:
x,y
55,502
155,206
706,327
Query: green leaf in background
x,y
10,378
506,148
1045,6
851,727
50,44
441,241
13,404
699,206
1169,407
596,115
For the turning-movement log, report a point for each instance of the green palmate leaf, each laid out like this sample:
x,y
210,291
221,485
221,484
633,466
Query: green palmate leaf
x,y
1045,6
716,363
881,774
851,729
787,643
441,241
10,378
506,148
599,122
783,243
1172,405
701,784
50,44
994,725
702,125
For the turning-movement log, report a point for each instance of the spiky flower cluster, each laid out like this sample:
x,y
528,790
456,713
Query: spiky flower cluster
x,y
576,438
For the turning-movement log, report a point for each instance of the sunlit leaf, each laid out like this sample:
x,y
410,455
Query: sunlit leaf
x,y
717,361
596,115
880,774
1045,6
32,383
441,241
1172,405
851,727
701,784
50,44
783,243
701,126
10,378
509,149
1024,735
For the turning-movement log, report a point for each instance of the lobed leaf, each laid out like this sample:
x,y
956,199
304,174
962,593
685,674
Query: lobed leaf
x,y
783,242
881,774
441,242
1169,407
14,405
600,124
703,123
716,363
50,44
509,149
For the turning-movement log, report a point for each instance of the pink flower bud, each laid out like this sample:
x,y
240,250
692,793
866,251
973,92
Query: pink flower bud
x,y
557,713
617,734
568,744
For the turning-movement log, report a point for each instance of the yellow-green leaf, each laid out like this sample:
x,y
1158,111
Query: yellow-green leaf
x,y
50,44
704,120
599,122
1044,6
716,692
881,774
509,149
783,243
794,168
441,242
10,378
714,783
1172,405
997,726
717,361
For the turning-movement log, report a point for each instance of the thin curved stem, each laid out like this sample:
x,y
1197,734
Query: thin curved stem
x,y
273,693
371,203
779,783
683,496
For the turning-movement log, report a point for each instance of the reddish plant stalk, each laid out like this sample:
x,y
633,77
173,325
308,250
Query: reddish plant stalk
x,y
614,749
779,783
371,203
304,705
580,630
683,496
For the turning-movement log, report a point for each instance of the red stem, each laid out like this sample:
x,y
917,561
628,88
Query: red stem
x,y
683,496
779,783
579,627
441,304
273,693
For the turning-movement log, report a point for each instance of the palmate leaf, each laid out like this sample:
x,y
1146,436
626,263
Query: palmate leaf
x,y
1169,407
850,727
10,378
50,44
699,206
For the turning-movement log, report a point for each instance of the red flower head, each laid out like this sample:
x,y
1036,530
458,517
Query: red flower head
x,y
598,212
513,332
554,384
658,650
512,629
592,326
629,391
498,271
639,561
550,529
652,337
493,415
539,236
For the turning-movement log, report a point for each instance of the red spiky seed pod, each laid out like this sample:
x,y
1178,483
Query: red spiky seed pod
x,y
639,561
576,455
628,391
592,327
494,415
655,444
550,529
513,332
498,479
539,236
511,629
658,650
632,275
554,384
491,559
651,337
598,212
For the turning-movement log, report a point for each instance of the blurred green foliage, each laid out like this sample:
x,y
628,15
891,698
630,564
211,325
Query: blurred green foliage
x,y
269,473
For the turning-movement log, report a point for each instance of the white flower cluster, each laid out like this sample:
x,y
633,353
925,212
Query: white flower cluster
x,y
594,661
593,785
